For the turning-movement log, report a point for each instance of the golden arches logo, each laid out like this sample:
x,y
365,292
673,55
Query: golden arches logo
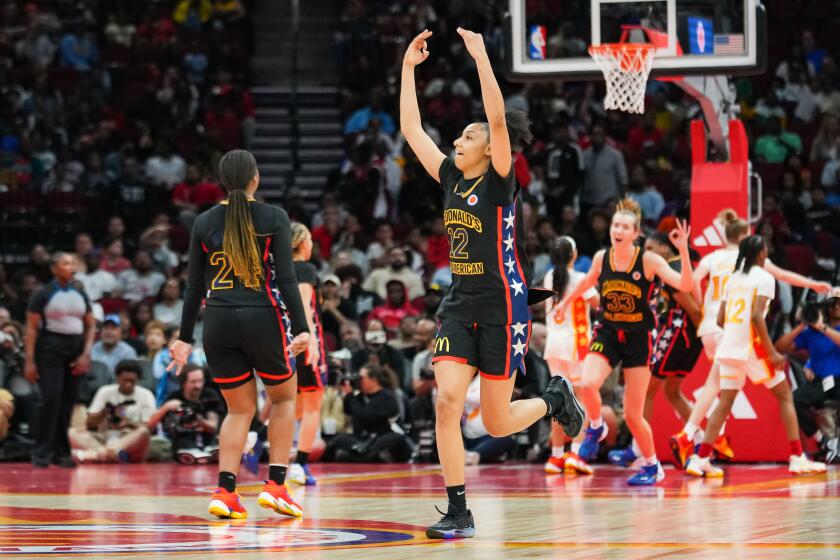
x,y
442,344
597,347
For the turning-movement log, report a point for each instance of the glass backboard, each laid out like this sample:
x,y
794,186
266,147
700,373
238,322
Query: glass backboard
x,y
548,39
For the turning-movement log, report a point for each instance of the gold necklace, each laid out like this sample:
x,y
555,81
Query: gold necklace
x,y
470,190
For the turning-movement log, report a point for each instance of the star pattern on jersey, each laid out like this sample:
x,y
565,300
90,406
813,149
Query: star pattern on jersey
x,y
516,286
509,220
510,263
508,243
519,329
518,348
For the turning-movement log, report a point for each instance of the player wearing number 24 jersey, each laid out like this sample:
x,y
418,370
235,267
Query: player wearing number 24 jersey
x,y
249,327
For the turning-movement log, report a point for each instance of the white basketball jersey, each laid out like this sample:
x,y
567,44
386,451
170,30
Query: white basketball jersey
x,y
720,265
740,296
565,324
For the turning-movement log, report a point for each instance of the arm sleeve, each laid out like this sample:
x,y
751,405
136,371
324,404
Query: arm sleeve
x,y
195,286
284,270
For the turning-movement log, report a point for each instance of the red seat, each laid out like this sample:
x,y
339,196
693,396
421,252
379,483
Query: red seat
x,y
113,305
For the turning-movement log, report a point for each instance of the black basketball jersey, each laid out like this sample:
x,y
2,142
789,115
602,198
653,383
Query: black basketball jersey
x,y
307,274
670,310
626,296
211,275
490,270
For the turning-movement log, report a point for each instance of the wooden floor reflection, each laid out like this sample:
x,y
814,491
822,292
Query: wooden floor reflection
x,y
378,512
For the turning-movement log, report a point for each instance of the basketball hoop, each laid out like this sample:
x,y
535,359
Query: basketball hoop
x,y
626,67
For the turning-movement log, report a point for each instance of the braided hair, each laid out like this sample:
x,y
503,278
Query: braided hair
x,y
748,251
237,169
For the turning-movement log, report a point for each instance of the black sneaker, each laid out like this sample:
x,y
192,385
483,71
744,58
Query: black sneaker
x,y
65,462
40,462
569,414
452,526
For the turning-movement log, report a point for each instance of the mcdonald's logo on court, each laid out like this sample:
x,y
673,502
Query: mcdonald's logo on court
x,y
597,347
442,344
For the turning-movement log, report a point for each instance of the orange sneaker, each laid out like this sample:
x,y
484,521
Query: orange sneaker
x,y
682,447
555,465
226,505
723,449
276,496
576,465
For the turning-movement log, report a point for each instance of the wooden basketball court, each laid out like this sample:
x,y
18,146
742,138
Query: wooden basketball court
x,y
379,511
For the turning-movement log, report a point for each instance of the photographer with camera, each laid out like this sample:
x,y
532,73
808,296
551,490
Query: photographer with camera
x,y
370,403
117,421
819,334
376,351
191,418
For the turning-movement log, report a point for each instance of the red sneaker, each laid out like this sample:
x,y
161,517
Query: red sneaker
x,y
276,496
576,465
682,447
226,505
555,465
723,449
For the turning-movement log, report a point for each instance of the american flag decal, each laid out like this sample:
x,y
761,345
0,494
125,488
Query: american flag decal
x,y
729,44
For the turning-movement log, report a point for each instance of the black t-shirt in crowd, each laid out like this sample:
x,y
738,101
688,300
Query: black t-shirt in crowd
x,y
211,274
490,270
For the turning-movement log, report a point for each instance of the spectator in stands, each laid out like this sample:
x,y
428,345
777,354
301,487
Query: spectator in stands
x,y
650,200
826,145
155,240
166,381
192,14
119,30
60,329
827,97
606,173
376,351
136,197
113,260
378,249
39,262
82,247
169,303
191,417
597,236
117,421
821,339
78,49
404,337
420,353
360,300
821,216
8,295
195,195
327,233
359,120
395,308
397,269
36,48
335,311
142,281
154,338
813,54
97,283
110,349
777,144
371,408
565,169
166,167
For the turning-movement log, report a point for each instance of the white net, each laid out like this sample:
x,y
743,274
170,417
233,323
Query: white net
x,y
626,67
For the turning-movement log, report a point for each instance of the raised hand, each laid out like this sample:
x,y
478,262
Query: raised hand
x,y
418,50
474,43
679,235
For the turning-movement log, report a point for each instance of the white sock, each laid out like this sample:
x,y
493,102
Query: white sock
x,y
689,429
635,447
596,423
652,460
698,436
576,447
557,451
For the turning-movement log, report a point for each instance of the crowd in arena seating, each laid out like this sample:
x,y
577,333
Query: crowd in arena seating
x,y
124,123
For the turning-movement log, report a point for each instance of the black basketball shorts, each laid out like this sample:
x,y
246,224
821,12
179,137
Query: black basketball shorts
x,y
630,348
497,351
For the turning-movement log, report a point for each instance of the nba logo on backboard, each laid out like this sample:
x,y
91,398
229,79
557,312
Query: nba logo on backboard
x,y
701,35
536,42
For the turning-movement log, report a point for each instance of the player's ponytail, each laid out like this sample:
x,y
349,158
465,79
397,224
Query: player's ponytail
x,y
518,129
562,256
299,233
748,251
630,207
237,169
734,227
